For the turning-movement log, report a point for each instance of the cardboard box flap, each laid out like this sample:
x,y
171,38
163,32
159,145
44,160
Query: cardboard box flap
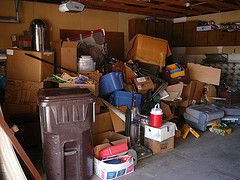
x,y
148,49
130,44
174,91
103,123
70,44
118,123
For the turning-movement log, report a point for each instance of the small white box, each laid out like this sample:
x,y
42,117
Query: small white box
x,y
162,133
112,171
204,28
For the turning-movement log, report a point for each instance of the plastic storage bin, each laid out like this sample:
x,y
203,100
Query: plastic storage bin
x,y
176,70
124,98
110,82
66,118
173,68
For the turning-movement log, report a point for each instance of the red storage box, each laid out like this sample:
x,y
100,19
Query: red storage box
x,y
113,150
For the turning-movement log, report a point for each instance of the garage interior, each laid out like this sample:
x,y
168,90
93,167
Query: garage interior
x,y
181,54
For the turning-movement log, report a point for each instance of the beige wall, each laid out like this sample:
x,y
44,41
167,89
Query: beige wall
x,y
87,20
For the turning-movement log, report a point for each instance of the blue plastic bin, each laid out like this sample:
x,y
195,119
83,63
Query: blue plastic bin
x,y
124,98
110,82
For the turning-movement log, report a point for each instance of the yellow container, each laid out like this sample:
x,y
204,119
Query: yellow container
x,y
175,71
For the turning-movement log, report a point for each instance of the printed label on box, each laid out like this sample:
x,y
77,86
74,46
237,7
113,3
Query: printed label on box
x,y
141,79
163,145
14,38
111,175
139,87
129,169
102,175
9,52
121,172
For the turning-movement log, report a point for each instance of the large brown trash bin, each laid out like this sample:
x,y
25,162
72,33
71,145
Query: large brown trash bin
x,y
66,118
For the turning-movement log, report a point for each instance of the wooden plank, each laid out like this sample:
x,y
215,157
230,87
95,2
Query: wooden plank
x,y
157,6
151,28
228,38
220,3
189,37
31,168
126,7
169,32
201,38
181,3
141,26
237,38
160,30
213,38
115,41
131,29
178,34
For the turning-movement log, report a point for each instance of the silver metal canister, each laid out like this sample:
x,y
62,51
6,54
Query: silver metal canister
x,y
38,28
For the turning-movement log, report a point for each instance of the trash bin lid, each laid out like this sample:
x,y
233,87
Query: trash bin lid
x,y
64,93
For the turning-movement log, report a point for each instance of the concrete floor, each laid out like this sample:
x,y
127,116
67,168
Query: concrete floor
x,y
211,156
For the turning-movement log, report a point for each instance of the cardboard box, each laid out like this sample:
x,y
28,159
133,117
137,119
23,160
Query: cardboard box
x,y
174,91
112,171
148,49
168,115
159,147
204,74
101,141
23,92
143,84
10,109
192,93
118,124
95,75
92,87
21,41
102,135
162,133
222,131
23,67
103,123
66,54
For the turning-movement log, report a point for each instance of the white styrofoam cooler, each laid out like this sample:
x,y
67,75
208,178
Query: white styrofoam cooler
x,y
162,133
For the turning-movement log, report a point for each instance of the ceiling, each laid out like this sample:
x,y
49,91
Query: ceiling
x,y
160,8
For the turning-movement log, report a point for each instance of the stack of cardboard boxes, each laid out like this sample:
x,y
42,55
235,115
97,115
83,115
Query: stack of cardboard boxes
x,y
24,77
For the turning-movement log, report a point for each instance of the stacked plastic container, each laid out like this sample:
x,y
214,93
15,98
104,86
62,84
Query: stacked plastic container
x,y
109,83
86,63
66,117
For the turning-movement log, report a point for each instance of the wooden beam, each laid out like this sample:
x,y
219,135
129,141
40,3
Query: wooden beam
x,y
220,3
127,11
129,8
157,6
181,3
238,2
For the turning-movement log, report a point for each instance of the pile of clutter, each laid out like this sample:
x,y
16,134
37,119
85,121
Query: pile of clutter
x,y
140,103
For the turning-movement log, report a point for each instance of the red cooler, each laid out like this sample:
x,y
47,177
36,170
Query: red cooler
x,y
156,116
